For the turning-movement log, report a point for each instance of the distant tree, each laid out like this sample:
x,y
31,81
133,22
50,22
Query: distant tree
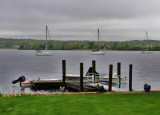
x,y
91,45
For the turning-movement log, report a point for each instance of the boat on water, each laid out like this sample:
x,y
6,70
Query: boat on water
x,y
96,78
145,51
44,52
97,52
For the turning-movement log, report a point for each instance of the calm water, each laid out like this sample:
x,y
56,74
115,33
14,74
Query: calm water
x,y
15,63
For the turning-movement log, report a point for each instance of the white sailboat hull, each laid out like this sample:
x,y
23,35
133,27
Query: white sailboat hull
x,y
146,52
97,53
75,78
44,53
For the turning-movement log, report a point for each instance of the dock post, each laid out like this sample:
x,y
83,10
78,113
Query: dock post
x,y
110,77
81,77
63,72
130,77
94,69
119,74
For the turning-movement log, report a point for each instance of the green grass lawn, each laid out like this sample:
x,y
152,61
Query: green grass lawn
x,y
91,104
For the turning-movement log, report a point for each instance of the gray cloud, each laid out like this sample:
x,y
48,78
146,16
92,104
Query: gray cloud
x,y
79,19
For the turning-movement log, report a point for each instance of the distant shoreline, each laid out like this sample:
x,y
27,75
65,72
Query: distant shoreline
x,y
29,44
72,50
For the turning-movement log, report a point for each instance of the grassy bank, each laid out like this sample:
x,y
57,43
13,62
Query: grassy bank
x,y
92,104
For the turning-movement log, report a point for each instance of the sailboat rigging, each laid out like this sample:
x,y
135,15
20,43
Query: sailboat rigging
x,y
45,52
97,52
145,51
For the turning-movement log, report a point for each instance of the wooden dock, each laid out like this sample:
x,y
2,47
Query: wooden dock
x,y
45,84
76,86
56,84
79,82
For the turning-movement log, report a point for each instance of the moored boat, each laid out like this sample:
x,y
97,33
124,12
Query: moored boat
x,y
97,52
45,52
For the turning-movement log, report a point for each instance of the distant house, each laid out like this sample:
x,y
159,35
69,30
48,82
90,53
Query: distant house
x,y
15,46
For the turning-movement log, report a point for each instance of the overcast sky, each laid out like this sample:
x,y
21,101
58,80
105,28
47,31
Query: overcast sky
x,y
80,19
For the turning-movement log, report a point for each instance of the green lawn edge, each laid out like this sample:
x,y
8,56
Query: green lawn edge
x,y
89,104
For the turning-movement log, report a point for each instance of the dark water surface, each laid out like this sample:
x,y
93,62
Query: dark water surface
x,y
15,63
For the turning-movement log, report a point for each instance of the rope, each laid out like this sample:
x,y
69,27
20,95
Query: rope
x,y
102,42
49,37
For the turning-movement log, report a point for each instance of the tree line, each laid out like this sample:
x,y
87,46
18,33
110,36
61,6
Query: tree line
x,y
31,44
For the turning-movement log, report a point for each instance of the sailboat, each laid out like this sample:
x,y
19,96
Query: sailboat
x,y
145,51
45,52
97,52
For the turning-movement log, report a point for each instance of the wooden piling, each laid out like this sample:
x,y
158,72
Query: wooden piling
x,y
130,77
110,77
94,68
81,77
63,72
119,73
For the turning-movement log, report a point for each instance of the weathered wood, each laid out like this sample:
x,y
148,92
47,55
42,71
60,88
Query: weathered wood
x,y
76,87
130,77
45,85
63,72
94,68
81,77
119,73
110,77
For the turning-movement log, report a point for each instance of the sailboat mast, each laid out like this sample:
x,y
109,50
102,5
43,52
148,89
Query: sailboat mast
x,y
46,36
147,39
98,39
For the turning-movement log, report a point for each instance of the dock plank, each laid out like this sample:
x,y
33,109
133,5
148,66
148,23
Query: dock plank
x,y
76,86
